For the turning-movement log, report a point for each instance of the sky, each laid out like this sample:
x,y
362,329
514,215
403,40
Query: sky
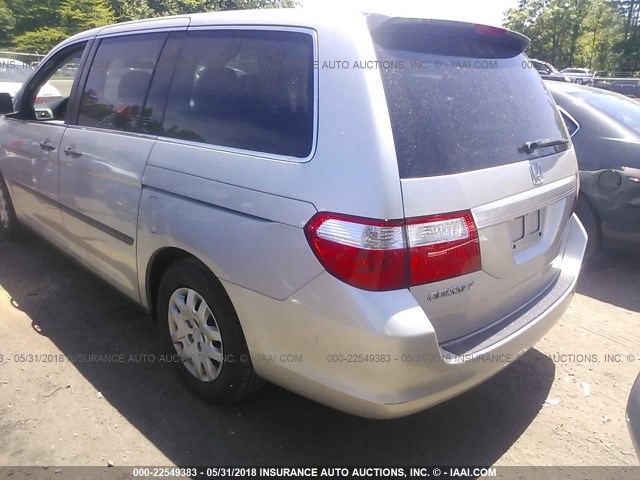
x,y
488,12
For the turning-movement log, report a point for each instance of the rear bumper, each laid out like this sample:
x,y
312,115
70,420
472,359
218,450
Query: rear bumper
x,y
375,354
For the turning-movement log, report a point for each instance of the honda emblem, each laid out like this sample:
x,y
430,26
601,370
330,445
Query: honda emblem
x,y
537,175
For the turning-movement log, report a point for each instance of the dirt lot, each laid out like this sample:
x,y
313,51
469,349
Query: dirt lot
x,y
562,403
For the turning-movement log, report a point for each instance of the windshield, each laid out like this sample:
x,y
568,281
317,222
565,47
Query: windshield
x,y
623,109
13,71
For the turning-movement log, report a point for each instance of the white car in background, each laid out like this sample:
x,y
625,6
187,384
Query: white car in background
x,y
581,76
13,73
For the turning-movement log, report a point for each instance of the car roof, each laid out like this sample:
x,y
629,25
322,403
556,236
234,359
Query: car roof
x,y
292,17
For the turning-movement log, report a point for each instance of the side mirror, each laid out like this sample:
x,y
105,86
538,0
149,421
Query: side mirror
x,y
6,104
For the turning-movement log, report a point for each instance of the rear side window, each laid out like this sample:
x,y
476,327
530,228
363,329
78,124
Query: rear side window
x,y
251,90
118,81
572,126
461,100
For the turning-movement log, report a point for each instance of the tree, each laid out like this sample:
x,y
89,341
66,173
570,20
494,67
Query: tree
x,y
37,25
585,33
126,10
79,15
603,34
39,41
7,22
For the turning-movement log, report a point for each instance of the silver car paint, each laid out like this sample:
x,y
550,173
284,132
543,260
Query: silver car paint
x,y
206,218
104,184
421,372
241,213
33,172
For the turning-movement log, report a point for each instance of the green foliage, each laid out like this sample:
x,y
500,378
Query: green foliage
x,y
7,21
39,41
31,25
79,15
578,33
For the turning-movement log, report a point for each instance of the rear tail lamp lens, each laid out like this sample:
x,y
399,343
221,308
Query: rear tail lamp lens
x,y
394,254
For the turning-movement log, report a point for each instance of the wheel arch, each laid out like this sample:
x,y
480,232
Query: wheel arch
x,y
158,264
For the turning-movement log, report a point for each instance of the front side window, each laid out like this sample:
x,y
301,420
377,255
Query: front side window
x,y
251,90
46,96
118,81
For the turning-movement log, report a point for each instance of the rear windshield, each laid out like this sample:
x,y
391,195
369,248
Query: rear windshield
x,y
461,102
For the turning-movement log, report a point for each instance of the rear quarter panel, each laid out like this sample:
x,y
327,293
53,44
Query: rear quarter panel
x,y
245,237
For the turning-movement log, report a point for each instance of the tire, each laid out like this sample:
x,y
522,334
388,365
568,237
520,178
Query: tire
x,y
589,219
9,225
214,359
579,81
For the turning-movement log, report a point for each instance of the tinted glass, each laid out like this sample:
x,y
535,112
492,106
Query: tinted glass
x,y
251,90
623,109
572,127
118,81
471,106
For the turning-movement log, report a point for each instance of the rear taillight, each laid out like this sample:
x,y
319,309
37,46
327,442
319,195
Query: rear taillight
x,y
441,247
394,254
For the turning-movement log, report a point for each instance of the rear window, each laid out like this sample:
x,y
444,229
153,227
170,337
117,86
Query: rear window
x,y
118,82
572,127
461,100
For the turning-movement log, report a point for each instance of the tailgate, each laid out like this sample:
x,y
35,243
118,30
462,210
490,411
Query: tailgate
x,y
476,131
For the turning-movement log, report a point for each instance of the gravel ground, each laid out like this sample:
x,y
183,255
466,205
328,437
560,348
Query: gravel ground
x,y
562,403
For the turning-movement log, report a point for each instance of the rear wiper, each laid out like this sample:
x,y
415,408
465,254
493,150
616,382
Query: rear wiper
x,y
530,147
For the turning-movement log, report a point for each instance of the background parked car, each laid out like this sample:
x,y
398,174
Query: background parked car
x,y
605,127
581,76
549,72
626,86
13,73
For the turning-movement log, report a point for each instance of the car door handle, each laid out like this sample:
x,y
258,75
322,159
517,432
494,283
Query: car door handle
x,y
46,145
72,152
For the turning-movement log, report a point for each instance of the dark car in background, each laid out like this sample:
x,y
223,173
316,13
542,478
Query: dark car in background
x,y
549,72
626,86
605,129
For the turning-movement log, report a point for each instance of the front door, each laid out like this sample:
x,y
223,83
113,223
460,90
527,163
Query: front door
x,y
103,158
33,143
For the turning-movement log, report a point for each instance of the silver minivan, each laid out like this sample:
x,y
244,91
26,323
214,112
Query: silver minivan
x,y
375,212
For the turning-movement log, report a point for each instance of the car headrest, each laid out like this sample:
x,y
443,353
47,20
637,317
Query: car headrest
x,y
133,86
214,87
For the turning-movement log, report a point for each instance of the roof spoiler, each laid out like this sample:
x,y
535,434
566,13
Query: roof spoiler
x,y
443,37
